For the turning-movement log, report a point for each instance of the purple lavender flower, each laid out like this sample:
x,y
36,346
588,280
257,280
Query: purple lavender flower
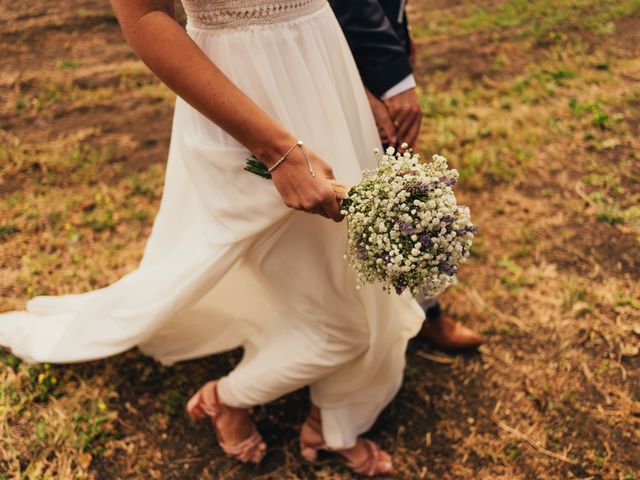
x,y
406,228
448,218
425,240
421,187
448,181
448,269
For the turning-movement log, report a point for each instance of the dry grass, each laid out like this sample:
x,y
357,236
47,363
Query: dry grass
x,y
536,102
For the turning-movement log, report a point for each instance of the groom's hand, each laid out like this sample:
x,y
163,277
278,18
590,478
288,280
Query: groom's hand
x,y
386,129
404,110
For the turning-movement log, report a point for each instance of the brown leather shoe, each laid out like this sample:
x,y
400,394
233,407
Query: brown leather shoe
x,y
448,335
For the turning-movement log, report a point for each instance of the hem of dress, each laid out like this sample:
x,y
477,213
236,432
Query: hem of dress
x,y
341,441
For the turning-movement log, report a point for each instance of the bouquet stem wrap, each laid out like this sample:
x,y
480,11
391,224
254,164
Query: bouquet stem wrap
x,y
341,190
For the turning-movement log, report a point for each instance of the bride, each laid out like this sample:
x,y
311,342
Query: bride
x,y
236,260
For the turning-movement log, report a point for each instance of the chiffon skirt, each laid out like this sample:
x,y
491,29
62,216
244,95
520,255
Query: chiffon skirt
x,y
228,265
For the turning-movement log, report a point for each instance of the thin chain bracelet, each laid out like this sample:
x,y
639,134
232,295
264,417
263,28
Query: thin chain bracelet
x,y
300,144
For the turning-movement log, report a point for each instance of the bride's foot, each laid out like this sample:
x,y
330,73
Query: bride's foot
x,y
236,432
365,458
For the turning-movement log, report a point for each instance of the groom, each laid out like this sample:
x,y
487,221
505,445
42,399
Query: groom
x,y
379,39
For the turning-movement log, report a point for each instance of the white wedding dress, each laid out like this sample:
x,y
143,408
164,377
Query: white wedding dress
x,y
227,264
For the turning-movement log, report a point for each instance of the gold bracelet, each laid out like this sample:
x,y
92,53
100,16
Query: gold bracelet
x,y
300,144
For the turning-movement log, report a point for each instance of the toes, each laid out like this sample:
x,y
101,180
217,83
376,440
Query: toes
x,y
385,463
385,466
258,453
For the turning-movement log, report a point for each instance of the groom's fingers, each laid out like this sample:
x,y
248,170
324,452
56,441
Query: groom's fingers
x,y
405,113
411,136
386,128
409,126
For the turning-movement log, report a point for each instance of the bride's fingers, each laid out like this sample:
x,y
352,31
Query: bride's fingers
x,y
332,208
307,193
331,205
316,211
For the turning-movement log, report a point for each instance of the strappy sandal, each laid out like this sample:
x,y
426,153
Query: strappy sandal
x,y
206,402
377,461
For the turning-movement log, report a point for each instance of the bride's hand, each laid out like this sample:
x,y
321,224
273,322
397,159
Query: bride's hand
x,y
302,191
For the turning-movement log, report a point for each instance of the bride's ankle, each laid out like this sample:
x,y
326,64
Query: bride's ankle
x,y
311,430
314,415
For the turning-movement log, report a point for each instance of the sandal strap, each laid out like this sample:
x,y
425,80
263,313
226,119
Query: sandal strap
x,y
249,449
369,465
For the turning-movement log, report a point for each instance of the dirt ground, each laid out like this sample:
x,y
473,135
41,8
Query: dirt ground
x,y
536,102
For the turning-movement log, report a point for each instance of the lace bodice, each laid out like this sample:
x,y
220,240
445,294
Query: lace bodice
x,y
217,14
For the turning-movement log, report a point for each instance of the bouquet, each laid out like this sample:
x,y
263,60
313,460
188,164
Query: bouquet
x,y
405,227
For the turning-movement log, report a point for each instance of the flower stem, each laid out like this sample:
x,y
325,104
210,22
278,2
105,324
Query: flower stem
x,y
255,166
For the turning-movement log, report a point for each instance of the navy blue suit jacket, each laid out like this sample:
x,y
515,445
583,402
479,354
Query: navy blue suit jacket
x,y
379,40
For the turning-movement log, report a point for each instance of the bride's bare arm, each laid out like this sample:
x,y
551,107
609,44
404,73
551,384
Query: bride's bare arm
x,y
164,46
